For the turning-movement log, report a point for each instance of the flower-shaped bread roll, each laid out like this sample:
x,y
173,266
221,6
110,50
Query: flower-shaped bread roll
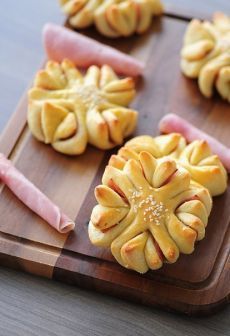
x,y
67,109
148,212
112,18
206,54
204,167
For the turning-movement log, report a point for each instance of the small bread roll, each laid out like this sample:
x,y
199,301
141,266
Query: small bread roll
x,y
113,18
206,55
67,110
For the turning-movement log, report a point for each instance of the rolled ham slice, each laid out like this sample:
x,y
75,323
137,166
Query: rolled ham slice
x,y
61,43
173,123
32,197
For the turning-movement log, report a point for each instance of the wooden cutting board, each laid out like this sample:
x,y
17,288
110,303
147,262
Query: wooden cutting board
x,y
198,283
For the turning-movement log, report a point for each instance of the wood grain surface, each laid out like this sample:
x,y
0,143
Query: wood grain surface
x,y
32,306
204,286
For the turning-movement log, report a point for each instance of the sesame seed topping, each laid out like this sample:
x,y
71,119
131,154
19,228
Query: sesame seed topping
x,y
153,211
89,94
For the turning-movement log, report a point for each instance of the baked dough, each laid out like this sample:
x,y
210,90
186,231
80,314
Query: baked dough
x,y
113,18
155,200
206,55
68,110
204,167
148,212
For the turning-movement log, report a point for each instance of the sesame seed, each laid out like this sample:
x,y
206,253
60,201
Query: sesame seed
x,y
153,211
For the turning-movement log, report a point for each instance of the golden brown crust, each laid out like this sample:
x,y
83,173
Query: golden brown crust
x,y
148,210
155,200
67,109
204,167
112,18
206,54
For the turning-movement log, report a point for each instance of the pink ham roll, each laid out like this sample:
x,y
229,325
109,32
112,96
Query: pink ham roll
x,y
32,197
61,43
173,123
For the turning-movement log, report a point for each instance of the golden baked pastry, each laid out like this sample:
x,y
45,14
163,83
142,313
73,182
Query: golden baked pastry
x,y
67,109
155,200
112,18
206,54
80,12
197,158
148,211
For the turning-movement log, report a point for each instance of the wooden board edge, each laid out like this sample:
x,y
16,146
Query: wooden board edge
x,y
185,14
94,275
103,276
27,256
14,128
35,267
103,286
16,124
124,293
